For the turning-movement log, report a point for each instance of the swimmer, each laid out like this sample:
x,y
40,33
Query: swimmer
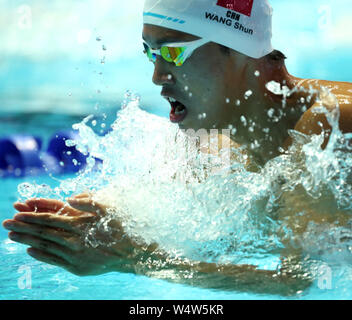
x,y
212,58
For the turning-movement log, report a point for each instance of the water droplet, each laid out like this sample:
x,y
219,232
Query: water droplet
x,y
248,94
45,190
271,112
244,120
26,190
255,145
274,87
70,143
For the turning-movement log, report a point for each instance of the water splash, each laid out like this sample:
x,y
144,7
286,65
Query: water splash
x,y
163,191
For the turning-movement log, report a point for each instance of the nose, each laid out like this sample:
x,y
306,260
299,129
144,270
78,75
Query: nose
x,y
162,75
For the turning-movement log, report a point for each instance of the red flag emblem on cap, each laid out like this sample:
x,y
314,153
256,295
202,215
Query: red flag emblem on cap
x,y
241,6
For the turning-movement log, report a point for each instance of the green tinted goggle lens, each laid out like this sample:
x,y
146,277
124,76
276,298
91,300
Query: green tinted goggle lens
x,y
170,54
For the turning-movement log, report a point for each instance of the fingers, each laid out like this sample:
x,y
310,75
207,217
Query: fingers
x,y
86,204
45,205
50,205
59,237
83,195
69,211
22,207
39,205
70,224
47,258
47,246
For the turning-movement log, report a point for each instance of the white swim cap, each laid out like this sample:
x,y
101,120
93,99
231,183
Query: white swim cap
x,y
242,25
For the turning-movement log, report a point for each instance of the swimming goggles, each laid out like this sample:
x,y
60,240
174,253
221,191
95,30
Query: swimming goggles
x,y
176,52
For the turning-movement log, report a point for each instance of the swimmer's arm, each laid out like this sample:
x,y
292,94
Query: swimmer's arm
x,y
288,281
312,123
324,209
58,239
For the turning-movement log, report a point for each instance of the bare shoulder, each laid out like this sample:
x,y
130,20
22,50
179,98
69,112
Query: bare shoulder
x,y
313,122
324,209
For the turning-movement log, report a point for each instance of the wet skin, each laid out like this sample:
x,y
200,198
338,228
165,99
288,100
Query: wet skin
x,y
217,80
55,230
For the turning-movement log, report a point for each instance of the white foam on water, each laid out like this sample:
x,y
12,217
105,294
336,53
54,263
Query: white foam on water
x,y
163,191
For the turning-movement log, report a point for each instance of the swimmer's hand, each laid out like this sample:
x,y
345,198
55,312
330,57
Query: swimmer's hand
x,y
56,233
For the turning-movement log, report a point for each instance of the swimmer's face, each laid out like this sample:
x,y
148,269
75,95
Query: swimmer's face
x,y
203,84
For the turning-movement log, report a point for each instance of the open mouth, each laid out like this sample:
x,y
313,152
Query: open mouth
x,y
178,111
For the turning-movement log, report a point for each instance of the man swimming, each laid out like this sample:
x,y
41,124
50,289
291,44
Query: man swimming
x,y
211,58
